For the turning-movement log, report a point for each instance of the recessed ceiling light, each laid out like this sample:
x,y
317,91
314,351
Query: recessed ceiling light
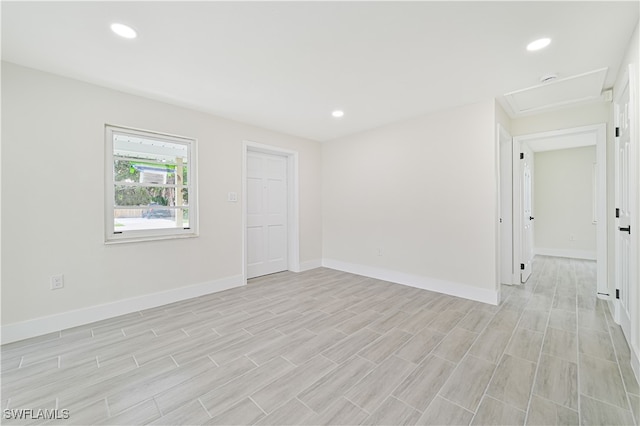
x,y
538,44
337,113
124,30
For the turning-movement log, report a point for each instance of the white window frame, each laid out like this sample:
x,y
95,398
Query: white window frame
x,y
111,235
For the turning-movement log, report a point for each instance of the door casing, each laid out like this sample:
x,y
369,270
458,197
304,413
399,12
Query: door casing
x,y
599,132
293,234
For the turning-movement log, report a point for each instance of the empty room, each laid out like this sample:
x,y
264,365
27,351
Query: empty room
x,y
320,213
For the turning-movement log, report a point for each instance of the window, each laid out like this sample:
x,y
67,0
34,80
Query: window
x,y
150,186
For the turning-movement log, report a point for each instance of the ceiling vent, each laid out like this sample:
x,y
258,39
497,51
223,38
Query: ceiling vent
x,y
558,92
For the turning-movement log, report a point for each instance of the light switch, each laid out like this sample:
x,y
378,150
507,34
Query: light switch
x,y
232,197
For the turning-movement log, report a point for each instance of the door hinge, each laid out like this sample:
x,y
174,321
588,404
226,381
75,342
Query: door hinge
x,y
522,266
617,293
617,212
522,155
617,132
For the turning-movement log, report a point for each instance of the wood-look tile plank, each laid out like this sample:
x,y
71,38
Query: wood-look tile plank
x,y
418,347
223,397
494,412
389,321
491,343
561,344
292,383
319,344
468,382
172,398
557,380
143,413
455,345
190,413
321,394
246,412
512,382
418,320
146,389
280,345
351,345
358,322
563,320
544,412
393,412
476,320
525,344
442,412
423,384
387,344
596,344
534,320
292,413
600,379
341,412
594,412
445,321
379,383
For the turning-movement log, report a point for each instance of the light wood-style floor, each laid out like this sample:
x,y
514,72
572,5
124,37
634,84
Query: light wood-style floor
x,y
327,347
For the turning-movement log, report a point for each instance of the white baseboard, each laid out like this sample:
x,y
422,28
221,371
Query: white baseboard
x,y
418,281
635,363
614,310
309,264
573,254
44,325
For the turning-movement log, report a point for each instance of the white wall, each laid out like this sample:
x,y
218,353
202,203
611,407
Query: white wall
x,y
564,202
53,198
416,202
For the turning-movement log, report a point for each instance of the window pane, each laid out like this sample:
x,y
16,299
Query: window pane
x,y
154,217
148,184
136,171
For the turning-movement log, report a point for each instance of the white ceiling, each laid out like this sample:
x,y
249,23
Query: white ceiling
x,y
287,65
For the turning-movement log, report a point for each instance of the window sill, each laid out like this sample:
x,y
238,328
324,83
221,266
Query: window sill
x,y
145,238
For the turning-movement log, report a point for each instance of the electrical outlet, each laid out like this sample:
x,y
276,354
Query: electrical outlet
x,y
572,237
379,251
57,282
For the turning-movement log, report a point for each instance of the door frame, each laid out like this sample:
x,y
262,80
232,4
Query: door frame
x,y
630,74
505,206
600,133
293,233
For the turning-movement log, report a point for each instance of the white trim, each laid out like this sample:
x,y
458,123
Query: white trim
x,y
505,212
570,253
43,325
601,227
418,281
308,265
635,364
139,235
293,203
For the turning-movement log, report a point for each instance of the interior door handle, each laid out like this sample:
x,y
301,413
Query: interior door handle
x,y
530,217
623,229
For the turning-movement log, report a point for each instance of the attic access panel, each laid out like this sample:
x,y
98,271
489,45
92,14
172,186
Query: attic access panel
x,y
578,88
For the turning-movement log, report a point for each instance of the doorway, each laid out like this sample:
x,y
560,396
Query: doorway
x,y
554,140
270,210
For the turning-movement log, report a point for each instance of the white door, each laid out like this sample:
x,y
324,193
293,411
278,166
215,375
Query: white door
x,y
526,191
624,206
266,214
